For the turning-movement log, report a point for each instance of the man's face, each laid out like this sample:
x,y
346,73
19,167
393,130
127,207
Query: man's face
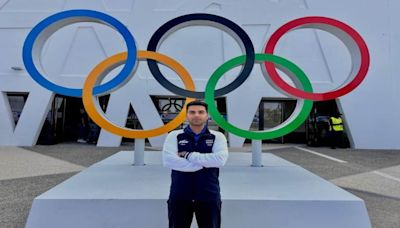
x,y
197,115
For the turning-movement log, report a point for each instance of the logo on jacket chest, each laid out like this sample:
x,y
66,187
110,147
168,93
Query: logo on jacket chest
x,y
209,142
183,142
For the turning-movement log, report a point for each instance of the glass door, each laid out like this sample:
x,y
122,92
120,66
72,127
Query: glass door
x,y
272,116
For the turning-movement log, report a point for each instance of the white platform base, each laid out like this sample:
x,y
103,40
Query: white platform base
x,y
113,193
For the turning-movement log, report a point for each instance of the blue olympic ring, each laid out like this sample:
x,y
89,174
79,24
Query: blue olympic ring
x,y
54,22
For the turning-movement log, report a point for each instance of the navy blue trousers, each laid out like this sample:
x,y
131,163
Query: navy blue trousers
x,y
208,213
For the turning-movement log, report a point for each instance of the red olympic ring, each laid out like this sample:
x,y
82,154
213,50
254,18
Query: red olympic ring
x,y
319,22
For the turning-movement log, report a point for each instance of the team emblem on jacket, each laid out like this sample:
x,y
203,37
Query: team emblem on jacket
x,y
183,142
210,142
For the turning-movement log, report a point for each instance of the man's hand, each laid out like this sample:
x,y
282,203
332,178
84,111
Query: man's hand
x,y
183,154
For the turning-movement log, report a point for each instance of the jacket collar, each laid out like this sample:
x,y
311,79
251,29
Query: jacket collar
x,y
189,131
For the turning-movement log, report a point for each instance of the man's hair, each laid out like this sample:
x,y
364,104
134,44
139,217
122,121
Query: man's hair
x,y
197,102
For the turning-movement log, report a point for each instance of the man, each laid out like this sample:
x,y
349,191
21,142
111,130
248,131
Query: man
x,y
336,130
83,126
195,154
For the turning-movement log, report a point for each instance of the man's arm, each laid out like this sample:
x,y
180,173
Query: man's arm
x,y
171,158
218,156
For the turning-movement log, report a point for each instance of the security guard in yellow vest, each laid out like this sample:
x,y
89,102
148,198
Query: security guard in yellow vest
x,y
336,130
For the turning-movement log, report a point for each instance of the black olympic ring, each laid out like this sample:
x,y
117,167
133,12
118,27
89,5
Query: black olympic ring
x,y
215,21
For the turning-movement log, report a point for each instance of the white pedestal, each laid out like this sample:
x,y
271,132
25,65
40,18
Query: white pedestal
x,y
113,193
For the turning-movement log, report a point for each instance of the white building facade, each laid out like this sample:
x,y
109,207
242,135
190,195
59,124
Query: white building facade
x,y
370,111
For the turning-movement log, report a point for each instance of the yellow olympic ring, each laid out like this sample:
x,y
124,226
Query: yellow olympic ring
x,y
93,109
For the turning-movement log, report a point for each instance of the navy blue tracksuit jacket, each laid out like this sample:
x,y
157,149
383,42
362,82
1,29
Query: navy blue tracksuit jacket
x,y
195,178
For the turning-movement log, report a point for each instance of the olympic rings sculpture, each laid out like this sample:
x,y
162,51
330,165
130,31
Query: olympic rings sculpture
x,y
302,91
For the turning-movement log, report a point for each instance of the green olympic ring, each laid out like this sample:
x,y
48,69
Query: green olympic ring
x,y
299,115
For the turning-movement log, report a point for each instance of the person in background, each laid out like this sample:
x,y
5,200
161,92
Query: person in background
x,y
83,127
335,130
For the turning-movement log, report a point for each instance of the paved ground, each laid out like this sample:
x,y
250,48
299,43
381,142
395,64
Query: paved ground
x,y
370,174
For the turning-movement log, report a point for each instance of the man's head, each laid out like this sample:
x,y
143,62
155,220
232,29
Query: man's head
x,y
197,113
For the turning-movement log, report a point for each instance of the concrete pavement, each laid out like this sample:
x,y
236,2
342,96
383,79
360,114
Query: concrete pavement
x,y
373,175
